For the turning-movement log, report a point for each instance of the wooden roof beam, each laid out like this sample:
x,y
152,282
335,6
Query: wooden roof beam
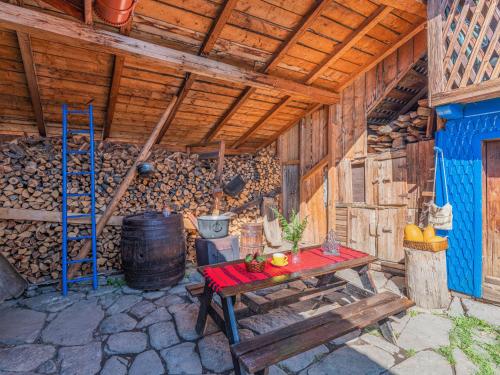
x,y
351,40
269,115
68,7
27,20
302,28
217,26
119,63
418,7
29,69
205,49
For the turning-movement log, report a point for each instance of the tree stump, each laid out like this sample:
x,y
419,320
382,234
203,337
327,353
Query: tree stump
x,y
426,278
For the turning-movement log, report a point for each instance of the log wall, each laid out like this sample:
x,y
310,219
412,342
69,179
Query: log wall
x,y
31,179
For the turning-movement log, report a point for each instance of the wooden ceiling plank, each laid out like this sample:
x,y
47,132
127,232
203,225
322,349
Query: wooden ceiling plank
x,y
311,16
312,108
217,26
29,69
417,7
381,56
276,108
21,19
341,48
205,49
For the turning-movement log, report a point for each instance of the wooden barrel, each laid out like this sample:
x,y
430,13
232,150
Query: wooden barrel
x,y
153,250
251,239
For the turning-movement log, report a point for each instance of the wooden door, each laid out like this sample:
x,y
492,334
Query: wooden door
x,y
363,230
491,221
390,233
392,182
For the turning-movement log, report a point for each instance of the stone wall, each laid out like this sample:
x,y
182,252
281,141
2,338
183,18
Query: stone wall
x,y
31,179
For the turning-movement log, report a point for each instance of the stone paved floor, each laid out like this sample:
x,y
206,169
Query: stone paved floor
x,y
117,330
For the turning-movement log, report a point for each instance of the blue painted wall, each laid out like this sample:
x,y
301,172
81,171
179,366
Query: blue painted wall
x,y
466,128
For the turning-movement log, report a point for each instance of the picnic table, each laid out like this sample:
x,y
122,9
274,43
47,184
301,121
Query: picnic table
x,y
231,279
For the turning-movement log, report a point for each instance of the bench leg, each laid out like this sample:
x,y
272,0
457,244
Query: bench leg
x,y
205,301
231,329
385,325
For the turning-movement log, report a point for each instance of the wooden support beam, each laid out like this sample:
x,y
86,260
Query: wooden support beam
x,y
113,94
381,56
186,86
269,115
304,25
316,167
436,52
125,183
351,40
218,177
70,8
312,108
88,10
217,27
45,25
29,70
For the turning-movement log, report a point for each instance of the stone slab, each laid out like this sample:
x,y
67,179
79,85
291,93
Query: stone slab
x,y
463,365
159,315
303,360
25,357
456,308
162,335
185,316
141,309
81,360
425,331
182,359
20,326
118,323
115,366
425,362
483,311
123,304
126,343
147,363
75,325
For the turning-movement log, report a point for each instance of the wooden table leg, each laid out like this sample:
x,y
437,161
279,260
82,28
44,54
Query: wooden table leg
x,y
369,284
231,329
205,301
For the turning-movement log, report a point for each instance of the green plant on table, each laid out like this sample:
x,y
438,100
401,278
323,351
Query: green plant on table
x,y
293,230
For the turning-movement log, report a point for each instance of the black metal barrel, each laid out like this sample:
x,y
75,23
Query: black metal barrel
x,y
153,249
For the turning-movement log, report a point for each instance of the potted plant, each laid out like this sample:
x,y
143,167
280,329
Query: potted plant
x,y
293,231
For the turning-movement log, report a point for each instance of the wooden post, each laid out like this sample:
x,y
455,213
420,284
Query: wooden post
x,y
435,49
218,177
426,278
127,180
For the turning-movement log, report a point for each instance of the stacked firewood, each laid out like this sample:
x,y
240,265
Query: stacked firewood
x,y
408,128
30,178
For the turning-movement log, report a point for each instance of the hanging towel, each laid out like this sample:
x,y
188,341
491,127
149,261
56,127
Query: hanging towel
x,y
440,217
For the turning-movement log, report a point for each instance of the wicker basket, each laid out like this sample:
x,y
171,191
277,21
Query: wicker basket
x,y
255,266
427,246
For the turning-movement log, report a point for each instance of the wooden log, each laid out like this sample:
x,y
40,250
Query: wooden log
x,y
125,183
426,278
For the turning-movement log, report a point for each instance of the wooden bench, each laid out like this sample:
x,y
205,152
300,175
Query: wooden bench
x,y
260,352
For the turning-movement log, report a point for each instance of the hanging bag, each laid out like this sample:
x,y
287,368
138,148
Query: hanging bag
x,y
440,217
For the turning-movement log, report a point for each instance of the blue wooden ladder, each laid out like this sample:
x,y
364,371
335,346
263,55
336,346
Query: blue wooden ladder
x,y
67,196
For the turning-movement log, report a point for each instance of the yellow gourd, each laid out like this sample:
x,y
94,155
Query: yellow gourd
x,y
429,233
436,239
413,233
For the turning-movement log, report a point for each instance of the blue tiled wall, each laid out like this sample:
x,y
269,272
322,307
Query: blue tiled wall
x,y
466,128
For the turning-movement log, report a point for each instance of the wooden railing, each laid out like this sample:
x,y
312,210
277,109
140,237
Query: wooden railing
x,y
464,49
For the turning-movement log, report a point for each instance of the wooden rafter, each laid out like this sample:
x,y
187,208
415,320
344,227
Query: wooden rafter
x,y
119,63
21,19
282,103
87,12
418,7
217,26
69,7
302,28
353,38
381,56
29,69
205,49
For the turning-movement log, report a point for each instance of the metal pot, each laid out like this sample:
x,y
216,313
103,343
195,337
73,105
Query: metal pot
x,y
211,227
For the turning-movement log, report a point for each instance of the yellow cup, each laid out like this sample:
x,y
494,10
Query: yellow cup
x,y
280,259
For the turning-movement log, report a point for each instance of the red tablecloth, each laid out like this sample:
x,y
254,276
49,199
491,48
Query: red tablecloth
x,y
222,276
